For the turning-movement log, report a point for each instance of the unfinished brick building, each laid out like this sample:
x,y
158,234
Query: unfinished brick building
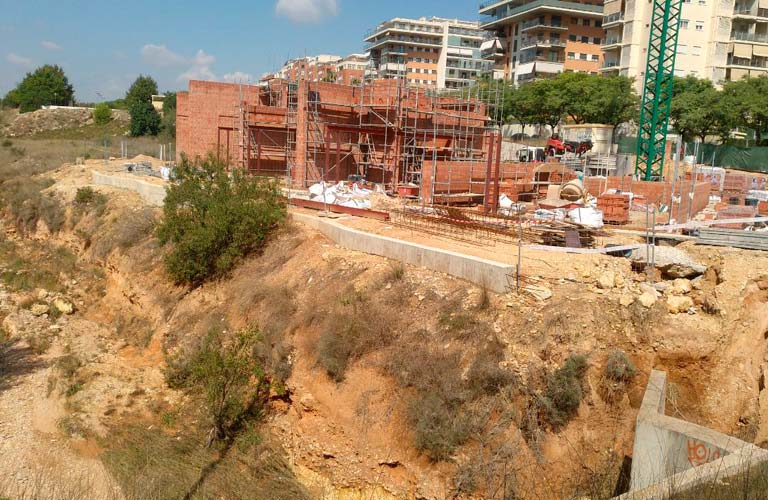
x,y
313,131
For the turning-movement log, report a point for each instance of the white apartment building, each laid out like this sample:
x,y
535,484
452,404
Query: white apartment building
x,y
431,52
719,39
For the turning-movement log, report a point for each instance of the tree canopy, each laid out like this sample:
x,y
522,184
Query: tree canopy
x,y
144,117
47,85
582,97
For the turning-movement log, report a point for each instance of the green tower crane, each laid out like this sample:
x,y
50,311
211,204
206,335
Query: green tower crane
x,y
657,91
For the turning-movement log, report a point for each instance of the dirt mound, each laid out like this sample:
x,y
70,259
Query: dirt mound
x,y
44,120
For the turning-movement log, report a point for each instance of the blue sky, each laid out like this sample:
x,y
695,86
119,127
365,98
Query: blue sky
x,y
104,45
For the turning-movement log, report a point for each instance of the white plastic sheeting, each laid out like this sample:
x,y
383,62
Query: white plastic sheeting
x,y
587,216
353,196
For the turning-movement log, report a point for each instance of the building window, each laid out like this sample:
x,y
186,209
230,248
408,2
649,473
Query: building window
x,y
682,49
585,39
571,55
595,57
699,25
586,22
598,24
583,57
684,24
574,20
572,38
596,40
696,51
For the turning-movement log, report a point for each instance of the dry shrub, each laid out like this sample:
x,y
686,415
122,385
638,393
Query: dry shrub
x,y
27,204
123,231
564,392
135,330
279,305
355,327
445,409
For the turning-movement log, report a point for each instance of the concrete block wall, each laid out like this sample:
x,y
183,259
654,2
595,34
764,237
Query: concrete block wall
x,y
154,194
493,275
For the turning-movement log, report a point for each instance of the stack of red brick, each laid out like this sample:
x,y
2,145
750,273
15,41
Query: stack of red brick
x,y
735,212
735,188
615,208
762,208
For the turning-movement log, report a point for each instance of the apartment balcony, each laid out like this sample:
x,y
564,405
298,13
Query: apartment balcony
x,y
542,42
760,15
610,66
747,63
739,36
613,20
397,40
611,43
537,24
503,13
401,28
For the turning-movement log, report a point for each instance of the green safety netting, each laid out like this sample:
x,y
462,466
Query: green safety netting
x,y
735,157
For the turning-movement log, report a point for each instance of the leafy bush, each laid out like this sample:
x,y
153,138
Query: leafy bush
x,y
563,392
213,219
102,114
439,429
619,367
89,196
230,376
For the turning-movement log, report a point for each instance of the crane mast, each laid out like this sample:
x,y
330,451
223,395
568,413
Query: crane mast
x,y
657,89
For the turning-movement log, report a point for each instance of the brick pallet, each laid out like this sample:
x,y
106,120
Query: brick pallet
x,y
734,212
615,208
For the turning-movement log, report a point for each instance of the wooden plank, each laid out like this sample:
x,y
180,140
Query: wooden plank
x,y
357,212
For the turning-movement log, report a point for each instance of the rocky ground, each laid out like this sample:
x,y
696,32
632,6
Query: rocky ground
x,y
44,120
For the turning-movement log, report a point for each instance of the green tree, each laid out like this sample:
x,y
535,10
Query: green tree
x,y
102,114
144,117
169,115
695,110
548,102
519,106
46,85
745,104
231,378
329,76
214,218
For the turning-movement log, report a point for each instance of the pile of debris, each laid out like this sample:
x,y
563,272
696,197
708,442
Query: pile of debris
x,y
352,195
44,120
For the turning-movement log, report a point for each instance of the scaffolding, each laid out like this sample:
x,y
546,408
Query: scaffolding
x,y
444,143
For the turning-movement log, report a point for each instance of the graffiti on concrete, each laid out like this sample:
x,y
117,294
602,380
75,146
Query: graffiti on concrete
x,y
699,453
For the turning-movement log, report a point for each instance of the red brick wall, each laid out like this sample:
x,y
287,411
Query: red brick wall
x,y
208,111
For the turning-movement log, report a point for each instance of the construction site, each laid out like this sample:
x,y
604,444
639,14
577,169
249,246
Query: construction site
x,y
444,157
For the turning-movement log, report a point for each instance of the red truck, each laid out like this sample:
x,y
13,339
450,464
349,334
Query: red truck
x,y
557,147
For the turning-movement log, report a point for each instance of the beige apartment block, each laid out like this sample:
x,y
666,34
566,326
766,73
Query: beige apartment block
x,y
540,38
719,39
428,52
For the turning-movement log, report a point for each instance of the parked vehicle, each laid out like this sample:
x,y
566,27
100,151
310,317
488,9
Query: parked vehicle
x,y
558,147
531,154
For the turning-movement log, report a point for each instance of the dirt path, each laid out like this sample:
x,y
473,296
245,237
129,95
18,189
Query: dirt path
x,y
37,462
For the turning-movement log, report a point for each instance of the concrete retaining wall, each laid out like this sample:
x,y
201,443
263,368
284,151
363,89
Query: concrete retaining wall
x,y
153,194
674,455
493,275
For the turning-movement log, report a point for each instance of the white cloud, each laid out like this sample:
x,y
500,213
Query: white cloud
x,y
161,56
238,77
197,73
18,60
203,59
307,11
47,44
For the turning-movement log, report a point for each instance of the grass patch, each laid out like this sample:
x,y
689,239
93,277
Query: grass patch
x,y
752,484
40,269
151,464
